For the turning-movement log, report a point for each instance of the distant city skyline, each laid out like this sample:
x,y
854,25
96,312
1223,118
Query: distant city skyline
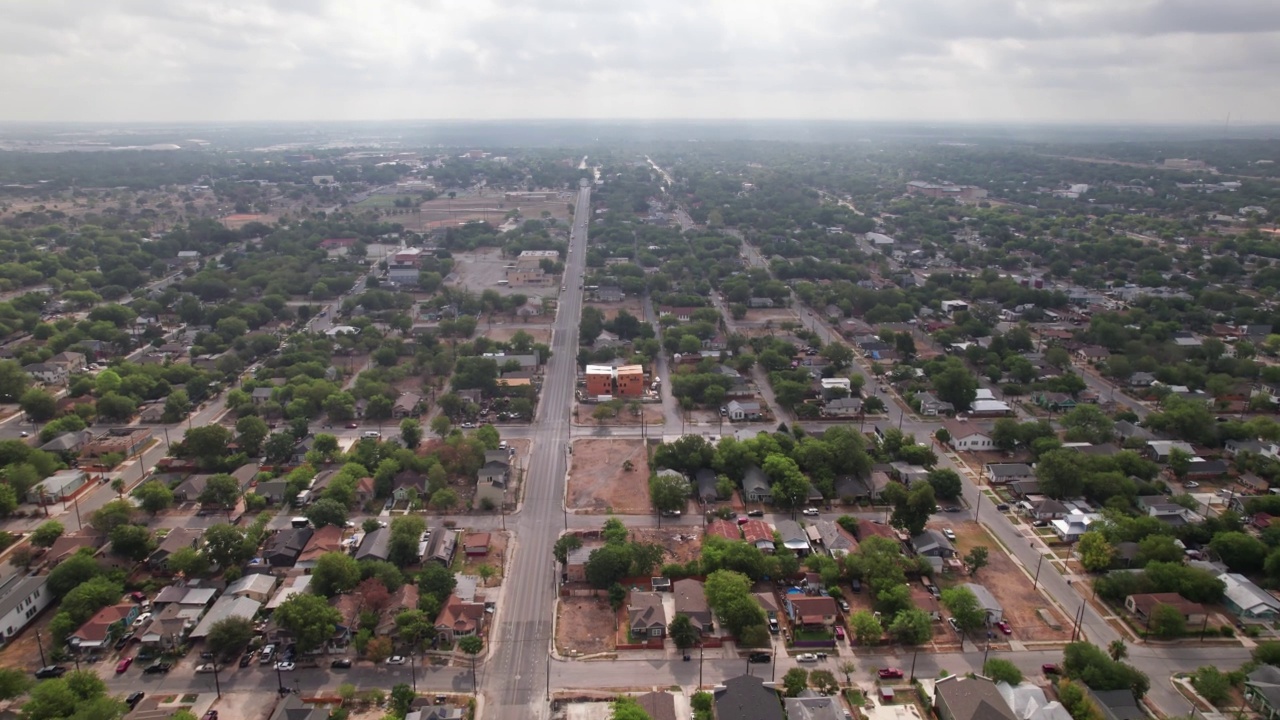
x,y
1090,61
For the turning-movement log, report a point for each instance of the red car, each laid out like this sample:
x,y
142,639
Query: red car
x,y
123,665
352,426
1050,669
1004,627
890,674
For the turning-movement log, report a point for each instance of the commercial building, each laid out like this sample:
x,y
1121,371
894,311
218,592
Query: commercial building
x,y
621,381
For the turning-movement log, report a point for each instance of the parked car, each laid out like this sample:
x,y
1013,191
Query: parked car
x,y
341,663
1191,484
810,512
134,698
844,604
890,674
207,668
159,668
773,625
124,640
1003,507
954,625
806,658
839,633
268,655
856,585
1050,669
952,508
51,671
1004,627
246,659
123,665
396,660
949,533
760,657
285,666
755,513
211,715
142,619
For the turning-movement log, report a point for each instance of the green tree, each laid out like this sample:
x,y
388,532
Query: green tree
x,y
608,565
626,708
153,496
436,581
669,492
1087,423
795,681
112,515
964,607
402,697
1001,670
335,573
73,572
1094,551
188,562
682,632
565,544
131,541
824,682
444,499
1241,552
912,508
39,405
176,407
866,628
471,645
440,425
251,432
226,546
279,447
14,381
221,490
1167,622
976,559
1060,473
327,512
78,695
410,432
912,627
47,534
228,637
309,618
957,386
1117,649
13,683
946,483
1212,684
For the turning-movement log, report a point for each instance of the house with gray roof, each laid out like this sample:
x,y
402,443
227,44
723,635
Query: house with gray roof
x,y
646,616
932,543
22,598
812,706
755,486
374,545
1262,691
746,698
957,697
691,600
706,479
986,601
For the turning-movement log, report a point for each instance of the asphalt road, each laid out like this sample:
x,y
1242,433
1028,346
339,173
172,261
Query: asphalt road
x,y
515,675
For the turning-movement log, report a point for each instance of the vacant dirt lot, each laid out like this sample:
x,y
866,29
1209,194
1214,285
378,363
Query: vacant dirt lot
x,y
481,270
584,626
1011,587
598,482
776,316
611,309
650,413
502,332
683,544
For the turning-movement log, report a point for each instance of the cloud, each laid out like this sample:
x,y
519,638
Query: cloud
x,y
1167,60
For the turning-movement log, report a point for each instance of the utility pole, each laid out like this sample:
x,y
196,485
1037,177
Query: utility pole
x,y
1036,581
216,684
40,645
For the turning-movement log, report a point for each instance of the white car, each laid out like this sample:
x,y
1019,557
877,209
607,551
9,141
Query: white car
x,y
141,619
1191,484
285,666
811,512
205,668
396,660
949,533
806,658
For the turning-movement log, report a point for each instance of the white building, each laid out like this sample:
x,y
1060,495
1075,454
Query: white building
x,y
22,597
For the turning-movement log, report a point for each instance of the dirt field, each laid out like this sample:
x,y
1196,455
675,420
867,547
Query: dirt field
x,y
504,332
481,270
683,544
489,206
650,413
777,316
611,310
598,483
235,222
584,626
1011,587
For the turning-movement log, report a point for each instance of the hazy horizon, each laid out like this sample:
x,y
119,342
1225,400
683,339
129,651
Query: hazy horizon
x,y
1164,62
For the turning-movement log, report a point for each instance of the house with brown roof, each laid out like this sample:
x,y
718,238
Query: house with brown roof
x,y
659,705
871,528
364,490
725,529
476,544
405,598
811,610
71,543
691,600
1142,605
326,539
963,698
177,539
758,533
105,625
459,618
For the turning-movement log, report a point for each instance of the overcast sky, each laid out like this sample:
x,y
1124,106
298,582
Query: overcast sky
x,y
1036,60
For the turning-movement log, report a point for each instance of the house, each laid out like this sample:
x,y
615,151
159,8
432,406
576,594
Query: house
x,y
837,541
492,480
575,563
1141,379
843,407
274,490
168,627
1160,450
1029,702
646,617
1055,401
440,547
1117,704
459,618
1001,473
292,707
283,549
59,487
107,624
22,597
70,443
622,381
406,406
177,539
969,437
1048,509
151,413
1246,600
365,490
1092,353
743,410
957,697
190,597
1163,508
755,486
811,706
325,540
1200,469
72,362
374,545
932,543
794,538
931,406
609,294
436,712
1262,691
255,586
405,597
1126,430
476,544
117,441
1024,488
657,705
706,480
810,610
760,302
691,600
987,602
758,533
46,373
872,528
746,698
1143,604
261,395
723,528
1074,524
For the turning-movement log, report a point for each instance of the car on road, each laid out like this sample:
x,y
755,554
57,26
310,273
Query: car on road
x,y
952,508
211,715
810,512
159,668
341,663
246,660
24,433
285,666
1004,627
468,425
949,533
1050,669
889,673
671,513
760,657
206,668
51,671
396,660
134,698
123,665
755,513
807,658
1191,484
268,655
1003,507
352,426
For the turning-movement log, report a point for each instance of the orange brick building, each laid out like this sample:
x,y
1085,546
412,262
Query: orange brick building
x,y
624,381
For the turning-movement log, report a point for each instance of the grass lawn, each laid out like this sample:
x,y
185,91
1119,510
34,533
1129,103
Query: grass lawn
x,y
813,634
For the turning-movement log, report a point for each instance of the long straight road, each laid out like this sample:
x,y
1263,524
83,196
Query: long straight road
x,y
515,676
